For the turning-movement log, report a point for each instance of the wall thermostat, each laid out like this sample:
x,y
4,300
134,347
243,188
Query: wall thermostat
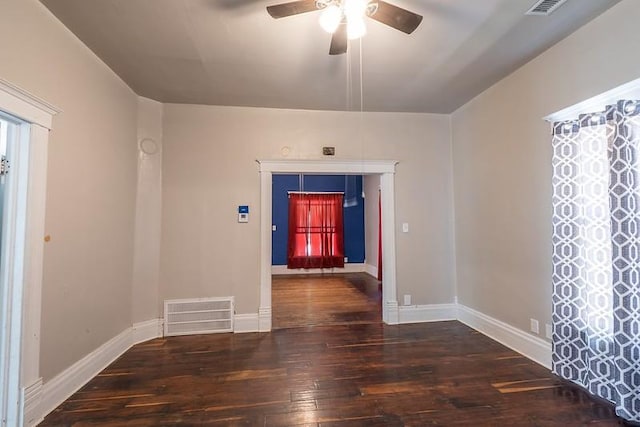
x,y
243,213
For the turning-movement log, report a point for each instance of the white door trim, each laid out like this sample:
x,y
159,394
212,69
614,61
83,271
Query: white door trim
x,y
385,168
25,106
37,116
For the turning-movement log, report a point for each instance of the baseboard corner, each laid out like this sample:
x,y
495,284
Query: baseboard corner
x,y
147,330
264,318
371,270
31,404
531,347
249,322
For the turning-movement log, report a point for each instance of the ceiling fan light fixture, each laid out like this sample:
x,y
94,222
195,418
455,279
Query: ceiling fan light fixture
x,y
354,9
356,28
330,18
344,19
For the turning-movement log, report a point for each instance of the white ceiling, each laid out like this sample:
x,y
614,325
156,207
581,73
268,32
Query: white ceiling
x,y
231,52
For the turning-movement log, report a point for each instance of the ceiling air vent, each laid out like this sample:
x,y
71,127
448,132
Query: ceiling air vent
x,y
545,7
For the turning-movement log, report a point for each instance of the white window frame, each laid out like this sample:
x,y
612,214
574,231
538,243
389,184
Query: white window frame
x,y
25,224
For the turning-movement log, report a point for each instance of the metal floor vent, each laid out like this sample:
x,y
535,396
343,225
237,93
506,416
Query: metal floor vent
x,y
198,316
545,7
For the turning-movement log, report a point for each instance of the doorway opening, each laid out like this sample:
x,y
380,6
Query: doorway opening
x,y
386,171
343,289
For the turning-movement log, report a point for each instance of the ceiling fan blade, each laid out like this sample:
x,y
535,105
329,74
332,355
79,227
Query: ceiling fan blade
x,y
339,40
292,8
396,17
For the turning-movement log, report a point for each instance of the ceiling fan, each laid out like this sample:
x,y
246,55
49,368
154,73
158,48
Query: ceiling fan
x,y
345,18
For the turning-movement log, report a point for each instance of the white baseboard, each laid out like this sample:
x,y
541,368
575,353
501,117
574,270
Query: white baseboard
x,y
31,398
281,270
371,270
426,313
63,385
246,323
148,330
41,399
390,313
529,346
264,318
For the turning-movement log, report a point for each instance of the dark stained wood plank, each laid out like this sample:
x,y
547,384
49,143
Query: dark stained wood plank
x,y
321,300
341,374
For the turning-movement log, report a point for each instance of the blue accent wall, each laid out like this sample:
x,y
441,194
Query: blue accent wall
x,y
353,212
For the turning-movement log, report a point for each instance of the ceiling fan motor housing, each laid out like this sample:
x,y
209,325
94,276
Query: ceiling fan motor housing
x,y
371,9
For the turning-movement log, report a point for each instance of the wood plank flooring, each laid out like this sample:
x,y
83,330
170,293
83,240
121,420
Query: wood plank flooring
x,y
314,300
341,375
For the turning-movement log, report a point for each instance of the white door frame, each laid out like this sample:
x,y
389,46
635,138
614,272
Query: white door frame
x,y
22,338
385,168
12,267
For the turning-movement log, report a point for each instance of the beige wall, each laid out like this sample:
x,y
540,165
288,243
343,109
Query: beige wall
x,y
502,166
209,169
146,253
91,182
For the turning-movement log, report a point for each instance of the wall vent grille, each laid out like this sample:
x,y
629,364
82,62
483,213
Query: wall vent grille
x,y
198,316
545,7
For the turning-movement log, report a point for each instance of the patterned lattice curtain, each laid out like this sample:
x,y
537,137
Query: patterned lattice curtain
x,y
596,254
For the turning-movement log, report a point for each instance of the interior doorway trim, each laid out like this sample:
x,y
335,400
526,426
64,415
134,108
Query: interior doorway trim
x,y
23,338
385,168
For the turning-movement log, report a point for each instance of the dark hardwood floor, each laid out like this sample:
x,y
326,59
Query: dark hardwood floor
x,y
322,300
345,373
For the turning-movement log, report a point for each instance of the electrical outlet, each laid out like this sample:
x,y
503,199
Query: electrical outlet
x,y
346,259
535,326
273,227
549,331
407,300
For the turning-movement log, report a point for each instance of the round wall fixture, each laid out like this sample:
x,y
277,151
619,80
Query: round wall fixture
x,y
148,146
285,151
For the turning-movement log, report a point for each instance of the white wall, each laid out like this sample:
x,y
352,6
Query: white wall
x,y
91,182
502,165
209,169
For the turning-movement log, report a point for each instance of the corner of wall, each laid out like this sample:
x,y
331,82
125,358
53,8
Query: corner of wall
x,y
147,233
42,399
452,204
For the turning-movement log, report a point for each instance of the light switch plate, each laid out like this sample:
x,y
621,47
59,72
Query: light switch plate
x,y
535,326
273,227
405,227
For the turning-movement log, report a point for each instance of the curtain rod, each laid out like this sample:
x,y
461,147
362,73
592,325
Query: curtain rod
x,y
315,192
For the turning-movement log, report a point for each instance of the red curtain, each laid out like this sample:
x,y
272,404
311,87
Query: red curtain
x,y
316,231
